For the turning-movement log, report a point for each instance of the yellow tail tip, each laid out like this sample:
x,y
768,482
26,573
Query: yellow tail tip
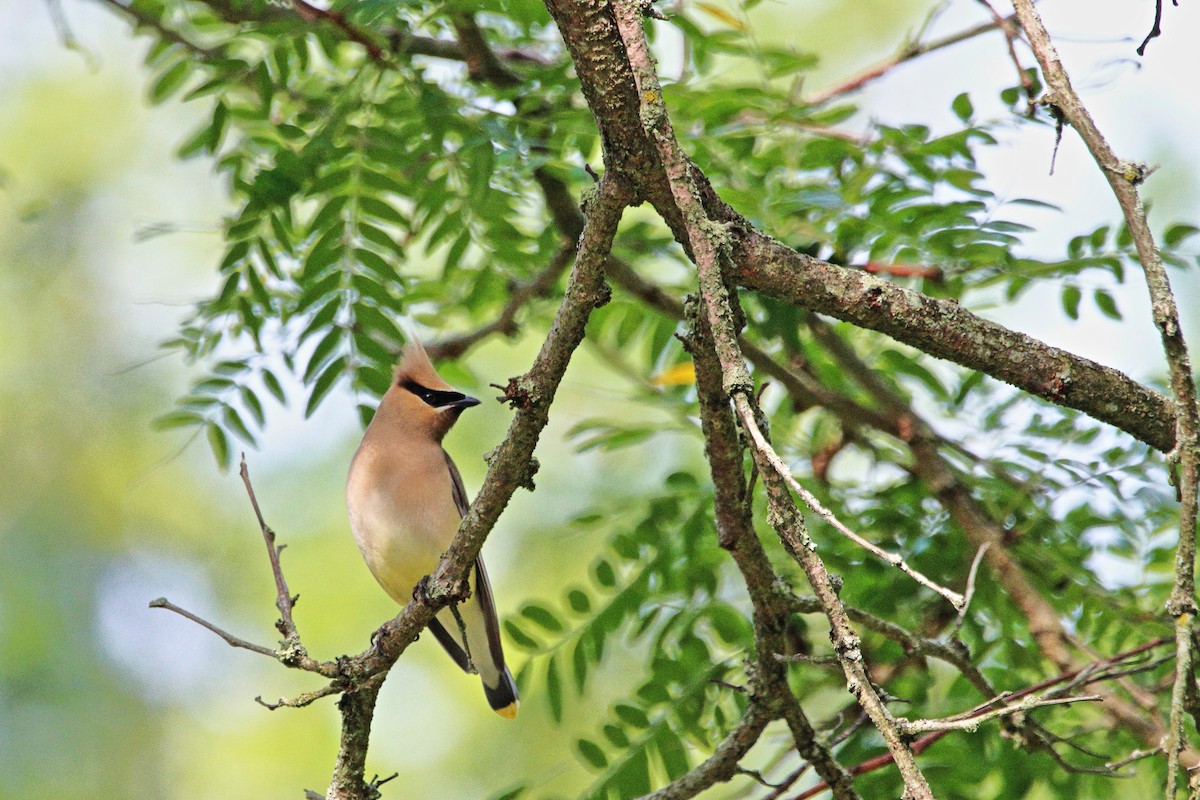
x,y
509,711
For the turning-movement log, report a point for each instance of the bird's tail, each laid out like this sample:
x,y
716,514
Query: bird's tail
x,y
503,696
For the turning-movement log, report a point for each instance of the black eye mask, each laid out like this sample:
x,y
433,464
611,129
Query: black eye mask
x,y
439,399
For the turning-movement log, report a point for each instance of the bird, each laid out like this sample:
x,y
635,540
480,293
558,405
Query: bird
x,y
405,499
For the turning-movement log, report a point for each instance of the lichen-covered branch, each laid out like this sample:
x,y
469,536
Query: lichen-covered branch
x,y
944,329
735,530
705,241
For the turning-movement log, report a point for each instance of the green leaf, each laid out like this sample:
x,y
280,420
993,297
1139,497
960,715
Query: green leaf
x,y
962,107
216,130
579,665
219,442
1071,296
1106,304
542,616
323,384
519,637
554,693
322,352
273,385
631,715
377,264
603,571
1178,233
579,602
382,211
253,405
234,422
170,81
592,753
509,794
177,419
672,753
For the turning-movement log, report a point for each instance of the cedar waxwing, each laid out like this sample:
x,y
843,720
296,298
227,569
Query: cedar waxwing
x,y
406,499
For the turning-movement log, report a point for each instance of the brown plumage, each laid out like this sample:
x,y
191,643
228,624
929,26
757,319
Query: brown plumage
x,y
406,498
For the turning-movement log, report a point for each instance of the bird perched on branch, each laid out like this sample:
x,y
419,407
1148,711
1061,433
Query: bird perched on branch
x,y
406,499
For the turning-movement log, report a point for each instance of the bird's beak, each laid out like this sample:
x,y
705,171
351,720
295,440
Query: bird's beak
x,y
458,402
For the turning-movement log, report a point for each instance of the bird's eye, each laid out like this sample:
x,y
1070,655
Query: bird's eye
x,y
417,389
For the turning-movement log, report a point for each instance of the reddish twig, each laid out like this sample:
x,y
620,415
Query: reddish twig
x,y
904,270
908,53
1011,34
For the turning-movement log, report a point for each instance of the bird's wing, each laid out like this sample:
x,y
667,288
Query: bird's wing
x,y
450,644
483,587
456,484
483,590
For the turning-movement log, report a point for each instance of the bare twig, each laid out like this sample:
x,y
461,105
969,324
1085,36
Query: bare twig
x,y
283,598
1156,28
954,598
1011,33
1136,755
355,34
230,639
974,720
970,590
143,17
302,700
909,52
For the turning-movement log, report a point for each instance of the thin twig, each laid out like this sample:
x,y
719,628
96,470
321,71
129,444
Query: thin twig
x,y
506,321
970,590
1156,28
907,53
972,722
1136,755
1011,33
230,639
302,700
954,598
283,598
314,13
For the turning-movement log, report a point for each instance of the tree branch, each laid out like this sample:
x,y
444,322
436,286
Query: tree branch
x,y
736,535
944,329
704,241
974,719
